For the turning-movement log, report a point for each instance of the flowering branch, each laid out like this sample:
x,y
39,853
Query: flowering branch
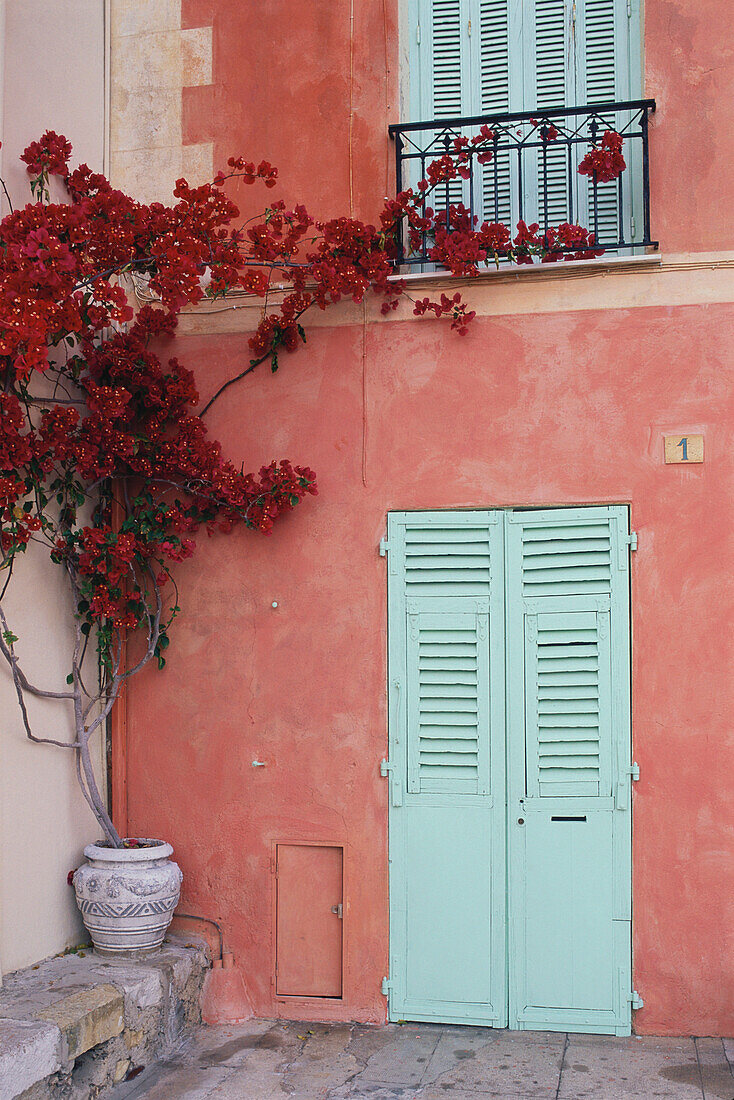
x,y
126,431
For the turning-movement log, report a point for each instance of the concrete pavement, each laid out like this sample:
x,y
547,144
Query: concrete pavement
x,y
267,1060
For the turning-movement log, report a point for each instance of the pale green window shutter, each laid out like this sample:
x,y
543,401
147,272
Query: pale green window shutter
x,y
446,88
603,76
471,57
549,83
449,44
501,89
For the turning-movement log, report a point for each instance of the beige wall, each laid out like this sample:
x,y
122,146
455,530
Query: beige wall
x,y
152,60
53,69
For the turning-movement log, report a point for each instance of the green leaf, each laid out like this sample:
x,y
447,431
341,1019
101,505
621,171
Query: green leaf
x,y
10,638
70,678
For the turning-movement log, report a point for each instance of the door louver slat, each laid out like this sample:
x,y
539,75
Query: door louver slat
x,y
448,696
559,560
432,571
565,723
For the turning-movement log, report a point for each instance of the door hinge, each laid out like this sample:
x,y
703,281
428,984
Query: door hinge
x,y
635,999
623,786
385,768
418,34
386,986
633,228
629,9
384,547
632,540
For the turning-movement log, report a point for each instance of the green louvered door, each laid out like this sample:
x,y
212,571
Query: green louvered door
x,y
447,784
510,875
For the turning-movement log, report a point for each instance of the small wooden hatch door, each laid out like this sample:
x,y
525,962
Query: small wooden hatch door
x,y
309,920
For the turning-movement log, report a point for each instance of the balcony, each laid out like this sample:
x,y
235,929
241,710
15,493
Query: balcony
x,y
533,172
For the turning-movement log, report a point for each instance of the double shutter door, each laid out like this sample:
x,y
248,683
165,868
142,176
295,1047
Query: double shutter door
x,y
479,57
510,879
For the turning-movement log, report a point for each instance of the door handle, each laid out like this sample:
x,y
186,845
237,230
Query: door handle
x,y
338,910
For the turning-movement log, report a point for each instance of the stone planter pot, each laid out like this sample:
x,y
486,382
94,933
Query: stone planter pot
x,y
127,896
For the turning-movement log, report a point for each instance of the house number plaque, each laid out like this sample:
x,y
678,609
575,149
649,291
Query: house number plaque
x,y
683,448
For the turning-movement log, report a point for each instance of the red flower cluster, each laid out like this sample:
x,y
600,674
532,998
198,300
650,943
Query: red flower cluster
x,y
50,155
248,173
605,161
452,307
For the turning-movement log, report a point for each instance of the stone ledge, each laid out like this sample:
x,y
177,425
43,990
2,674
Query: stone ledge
x,y
87,1018
75,1026
28,1053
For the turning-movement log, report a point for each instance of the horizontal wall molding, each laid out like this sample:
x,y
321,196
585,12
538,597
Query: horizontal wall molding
x,y
682,279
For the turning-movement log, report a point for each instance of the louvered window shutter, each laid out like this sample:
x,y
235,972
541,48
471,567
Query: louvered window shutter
x,y
445,88
578,54
603,76
500,65
474,57
550,83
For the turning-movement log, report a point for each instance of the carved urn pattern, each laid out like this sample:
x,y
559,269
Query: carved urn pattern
x,y
127,896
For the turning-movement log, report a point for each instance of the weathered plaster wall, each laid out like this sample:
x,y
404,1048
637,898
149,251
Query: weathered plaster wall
x,y
530,409
289,84
560,394
44,821
689,70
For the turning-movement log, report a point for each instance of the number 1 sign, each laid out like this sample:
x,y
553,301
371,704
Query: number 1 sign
x,y
683,448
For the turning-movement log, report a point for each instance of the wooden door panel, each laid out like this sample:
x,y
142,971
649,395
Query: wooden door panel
x,y
309,930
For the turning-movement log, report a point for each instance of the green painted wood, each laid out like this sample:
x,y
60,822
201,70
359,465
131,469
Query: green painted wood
x,y
469,57
568,742
447,816
509,741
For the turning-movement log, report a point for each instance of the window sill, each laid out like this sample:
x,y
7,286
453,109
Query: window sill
x,y
514,272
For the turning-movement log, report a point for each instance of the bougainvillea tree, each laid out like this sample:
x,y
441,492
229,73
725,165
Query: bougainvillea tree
x,y
104,462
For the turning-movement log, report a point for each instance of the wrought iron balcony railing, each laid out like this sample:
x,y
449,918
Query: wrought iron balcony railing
x,y
533,172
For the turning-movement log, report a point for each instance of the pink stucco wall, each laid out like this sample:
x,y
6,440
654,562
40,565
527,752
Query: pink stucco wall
x,y
287,77
565,408
550,408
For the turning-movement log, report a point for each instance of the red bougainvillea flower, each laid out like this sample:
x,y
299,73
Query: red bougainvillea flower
x,y
605,161
50,154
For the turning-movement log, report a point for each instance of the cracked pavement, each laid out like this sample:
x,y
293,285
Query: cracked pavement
x,y
273,1060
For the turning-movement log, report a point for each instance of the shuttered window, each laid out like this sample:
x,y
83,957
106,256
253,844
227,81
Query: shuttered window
x,y
473,57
